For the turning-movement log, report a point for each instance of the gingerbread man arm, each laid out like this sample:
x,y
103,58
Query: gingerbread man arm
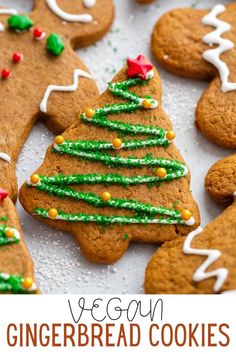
x,y
104,232
16,265
205,261
187,49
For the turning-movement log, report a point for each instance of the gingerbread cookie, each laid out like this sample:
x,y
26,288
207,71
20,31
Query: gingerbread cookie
x,y
201,44
39,70
115,176
16,266
205,261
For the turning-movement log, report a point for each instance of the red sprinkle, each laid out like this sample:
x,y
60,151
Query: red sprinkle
x,y
3,194
37,32
6,73
17,57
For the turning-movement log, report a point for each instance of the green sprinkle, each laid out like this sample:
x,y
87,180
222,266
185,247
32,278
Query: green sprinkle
x,y
20,23
176,203
4,240
12,283
125,237
55,44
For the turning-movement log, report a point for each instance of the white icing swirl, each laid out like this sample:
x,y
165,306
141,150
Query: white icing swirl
x,y
215,37
52,4
77,73
201,274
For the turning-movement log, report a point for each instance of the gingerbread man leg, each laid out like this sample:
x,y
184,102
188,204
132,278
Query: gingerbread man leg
x,y
201,44
205,261
116,177
16,265
40,71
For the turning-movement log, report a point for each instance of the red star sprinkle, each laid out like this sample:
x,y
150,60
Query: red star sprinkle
x,y
139,67
3,194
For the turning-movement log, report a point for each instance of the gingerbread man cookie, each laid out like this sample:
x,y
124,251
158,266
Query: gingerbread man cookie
x,y
115,176
16,266
205,261
201,44
39,70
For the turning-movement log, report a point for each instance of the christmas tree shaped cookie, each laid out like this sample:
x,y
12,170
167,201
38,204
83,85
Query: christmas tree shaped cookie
x,y
205,261
115,176
39,70
201,44
16,266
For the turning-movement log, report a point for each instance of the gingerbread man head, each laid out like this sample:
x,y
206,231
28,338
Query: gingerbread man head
x,y
201,44
41,75
205,261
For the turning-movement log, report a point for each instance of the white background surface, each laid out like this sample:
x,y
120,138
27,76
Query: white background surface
x,y
60,267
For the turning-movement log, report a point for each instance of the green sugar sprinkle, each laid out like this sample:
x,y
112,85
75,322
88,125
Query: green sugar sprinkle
x,y
4,240
55,44
20,23
106,220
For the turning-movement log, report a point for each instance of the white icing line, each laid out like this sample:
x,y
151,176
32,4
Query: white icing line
x,y
221,274
5,157
29,183
4,276
77,73
190,222
33,287
52,4
230,292
213,55
154,221
6,12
